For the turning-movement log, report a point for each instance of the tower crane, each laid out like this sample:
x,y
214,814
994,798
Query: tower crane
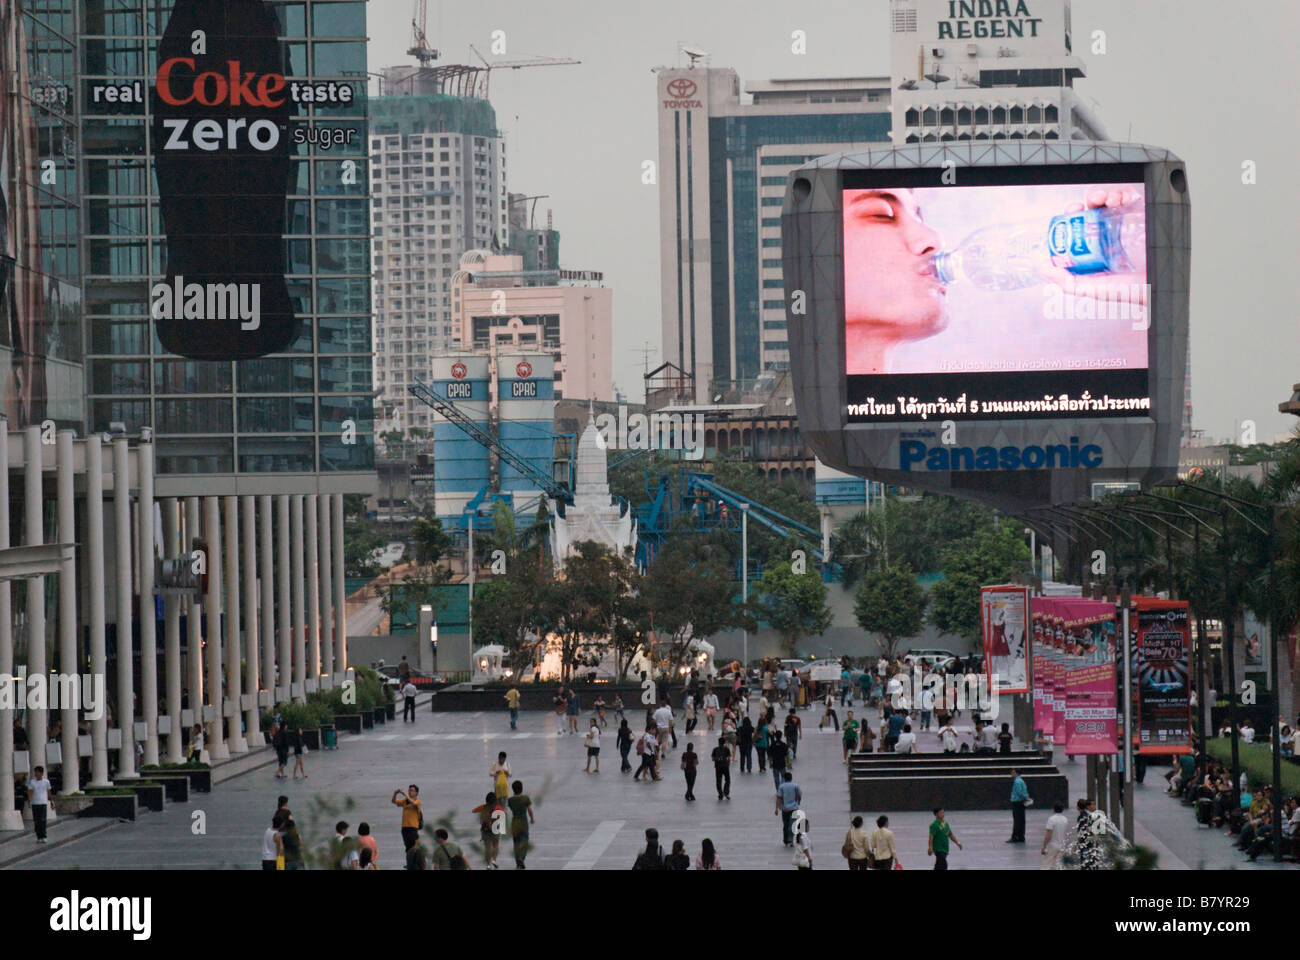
x,y
420,48
520,64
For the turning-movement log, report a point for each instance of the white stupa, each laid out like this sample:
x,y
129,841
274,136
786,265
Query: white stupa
x,y
594,514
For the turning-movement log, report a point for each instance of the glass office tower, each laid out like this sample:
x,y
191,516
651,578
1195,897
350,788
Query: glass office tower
x,y
305,411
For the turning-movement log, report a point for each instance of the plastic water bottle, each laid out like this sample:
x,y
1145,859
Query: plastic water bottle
x,y
1013,256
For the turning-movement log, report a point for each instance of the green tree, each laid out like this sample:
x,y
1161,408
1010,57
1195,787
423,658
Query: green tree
x,y
431,542
793,603
513,609
994,556
690,593
890,601
582,604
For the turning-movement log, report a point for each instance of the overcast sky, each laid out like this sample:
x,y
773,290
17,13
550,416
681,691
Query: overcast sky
x,y
1213,82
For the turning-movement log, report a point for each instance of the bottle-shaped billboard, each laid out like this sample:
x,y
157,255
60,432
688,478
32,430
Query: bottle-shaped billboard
x,y
220,129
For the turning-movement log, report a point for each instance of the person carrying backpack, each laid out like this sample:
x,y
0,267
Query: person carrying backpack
x,y
447,855
652,857
491,825
647,748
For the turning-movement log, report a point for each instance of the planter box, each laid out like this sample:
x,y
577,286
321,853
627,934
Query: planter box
x,y
348,722
175,784
195,780
390,711
123,808
381,715
368,720
311,738
151,798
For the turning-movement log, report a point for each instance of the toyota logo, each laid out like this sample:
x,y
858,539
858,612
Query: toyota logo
x,y
524,368
458,370
681,88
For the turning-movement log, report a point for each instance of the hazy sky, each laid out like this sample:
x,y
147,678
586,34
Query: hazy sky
x,y
1213,82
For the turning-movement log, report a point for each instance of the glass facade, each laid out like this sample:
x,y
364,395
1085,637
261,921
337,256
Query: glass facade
x,y
40,264
303,411
737,140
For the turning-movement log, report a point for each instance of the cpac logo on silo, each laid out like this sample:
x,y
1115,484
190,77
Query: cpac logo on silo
x,y
915,453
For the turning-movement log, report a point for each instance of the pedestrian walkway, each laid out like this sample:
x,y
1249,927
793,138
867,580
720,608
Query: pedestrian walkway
x,y
585,821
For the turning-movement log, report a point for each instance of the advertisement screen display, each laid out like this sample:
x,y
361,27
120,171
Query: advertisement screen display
x,y
1164,676
983,301
1006,643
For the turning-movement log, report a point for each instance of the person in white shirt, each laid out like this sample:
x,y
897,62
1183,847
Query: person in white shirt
x,y
1247,733
948,737
1054,838
408,704
989,737
663,718
882,667
38,795
710,707
593,746
906,740
272,844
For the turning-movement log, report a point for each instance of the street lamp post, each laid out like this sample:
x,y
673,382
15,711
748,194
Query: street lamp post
x,y
744,585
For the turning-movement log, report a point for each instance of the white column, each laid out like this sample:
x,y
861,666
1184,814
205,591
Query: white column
x,y
68,611
96,588
10,819
266,580
194,618
283,598
340,588
172,633
38,721
125,648
310,528
297,556
234,649
326,591
252,649
148,610
216,738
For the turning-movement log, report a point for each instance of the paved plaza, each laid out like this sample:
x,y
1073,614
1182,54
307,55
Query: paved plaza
x,y
584,821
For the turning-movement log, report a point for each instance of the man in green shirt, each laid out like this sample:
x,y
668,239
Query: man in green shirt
x,y
447,854
849,734
940,834
521,815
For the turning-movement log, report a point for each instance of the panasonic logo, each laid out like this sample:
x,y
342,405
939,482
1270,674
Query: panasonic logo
x,y
914,453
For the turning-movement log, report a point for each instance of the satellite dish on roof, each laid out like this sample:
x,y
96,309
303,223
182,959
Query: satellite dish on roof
x,y
937,78
695,53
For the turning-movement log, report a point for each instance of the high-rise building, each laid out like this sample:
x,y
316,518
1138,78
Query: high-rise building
x,y
722,169
305,411
498,305
538,246
438,181
985,70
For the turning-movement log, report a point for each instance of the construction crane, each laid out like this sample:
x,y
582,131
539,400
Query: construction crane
x,y
420,48
542,480
520,64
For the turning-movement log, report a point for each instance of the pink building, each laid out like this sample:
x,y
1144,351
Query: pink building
x,y
495,303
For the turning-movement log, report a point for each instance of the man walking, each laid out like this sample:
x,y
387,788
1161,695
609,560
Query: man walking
x,y
575,707
647,749
722,769
1019,800
559,703
776,755
788,798
408,701
663,718
940,834
512,702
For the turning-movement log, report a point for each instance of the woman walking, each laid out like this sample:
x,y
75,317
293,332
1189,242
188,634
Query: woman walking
x,y
297,755
708,858
802,847
623,739
761,743
883,851
593,746
690,765
857,846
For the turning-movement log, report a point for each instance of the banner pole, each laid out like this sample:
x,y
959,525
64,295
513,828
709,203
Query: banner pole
x,y
1128,720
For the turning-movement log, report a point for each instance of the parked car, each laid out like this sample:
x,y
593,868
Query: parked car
x,y
941,659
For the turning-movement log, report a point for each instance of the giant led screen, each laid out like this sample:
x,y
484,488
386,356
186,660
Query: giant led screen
x,y
980,300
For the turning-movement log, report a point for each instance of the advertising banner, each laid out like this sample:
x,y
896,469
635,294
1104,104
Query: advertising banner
x,y
1041,680
1090,677
1055,630
1163,669
1005,613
